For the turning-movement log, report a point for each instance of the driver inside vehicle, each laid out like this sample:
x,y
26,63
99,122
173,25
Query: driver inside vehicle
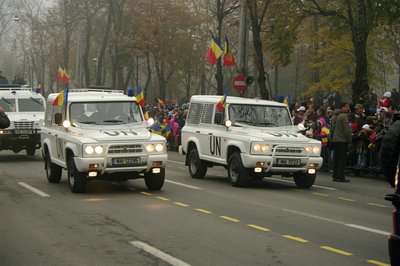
x,y
78,113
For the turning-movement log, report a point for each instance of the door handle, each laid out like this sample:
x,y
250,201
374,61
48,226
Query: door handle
x,y
198,131
210,134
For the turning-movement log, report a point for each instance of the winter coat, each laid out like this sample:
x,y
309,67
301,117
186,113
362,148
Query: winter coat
x,y
340,128
4,121
390,151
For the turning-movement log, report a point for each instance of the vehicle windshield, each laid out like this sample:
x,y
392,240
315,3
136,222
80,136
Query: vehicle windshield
x,y
7,104
31,105
105,113
259,115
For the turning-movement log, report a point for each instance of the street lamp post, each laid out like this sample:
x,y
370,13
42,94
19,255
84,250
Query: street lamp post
x,y
95,60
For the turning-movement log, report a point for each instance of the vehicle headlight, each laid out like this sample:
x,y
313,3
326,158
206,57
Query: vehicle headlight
x,y
315,150
260,148
155,147
93,149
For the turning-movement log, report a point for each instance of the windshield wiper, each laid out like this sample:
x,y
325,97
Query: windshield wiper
x,y
36,101
114,121
87,122
7,101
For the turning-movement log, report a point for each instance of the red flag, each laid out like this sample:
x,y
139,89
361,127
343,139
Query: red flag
x,y
62,75
229,60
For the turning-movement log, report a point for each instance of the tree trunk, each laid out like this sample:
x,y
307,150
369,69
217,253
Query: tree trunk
x,y
85,57
259,62
100,62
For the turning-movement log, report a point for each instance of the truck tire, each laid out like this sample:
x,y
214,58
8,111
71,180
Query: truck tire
x,y
77,180
53,171
30,150
197,167
304,180
154,181
237,173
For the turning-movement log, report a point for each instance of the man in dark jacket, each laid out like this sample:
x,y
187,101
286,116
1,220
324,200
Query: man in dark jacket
x,y
340,140
4,121
390,157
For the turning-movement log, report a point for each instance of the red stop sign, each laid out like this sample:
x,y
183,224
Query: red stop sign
x,y
239,83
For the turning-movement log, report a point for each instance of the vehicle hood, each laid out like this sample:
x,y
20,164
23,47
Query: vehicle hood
x,y
25,116
120,133
273,134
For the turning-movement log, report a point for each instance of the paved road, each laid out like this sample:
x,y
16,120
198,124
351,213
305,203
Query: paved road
x,y
189,222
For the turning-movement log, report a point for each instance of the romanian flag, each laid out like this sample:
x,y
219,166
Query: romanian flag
x,y
287,100
62,75
140,97
222,102
229,60
40,87
168,132
215,51
160,101
146,115
61,98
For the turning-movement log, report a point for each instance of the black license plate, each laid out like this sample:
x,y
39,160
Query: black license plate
x,y
23,131
288,162
127,161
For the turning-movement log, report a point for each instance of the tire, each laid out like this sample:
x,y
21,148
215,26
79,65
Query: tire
x,y
30,150
53,171
237,173
197,167
77,180
154,181
304,180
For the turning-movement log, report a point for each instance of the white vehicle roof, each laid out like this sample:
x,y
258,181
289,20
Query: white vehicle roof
x,y
18,91
234,100
93,95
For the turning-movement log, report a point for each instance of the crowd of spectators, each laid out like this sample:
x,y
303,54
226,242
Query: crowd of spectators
x,y
369,121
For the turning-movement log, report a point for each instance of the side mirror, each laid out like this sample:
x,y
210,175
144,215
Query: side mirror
x,y
58,118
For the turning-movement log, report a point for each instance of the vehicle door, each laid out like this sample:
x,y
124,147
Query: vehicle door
x,y
218,136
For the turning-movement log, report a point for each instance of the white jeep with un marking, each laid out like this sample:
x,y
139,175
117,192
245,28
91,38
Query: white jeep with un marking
x,y
101,134
252,138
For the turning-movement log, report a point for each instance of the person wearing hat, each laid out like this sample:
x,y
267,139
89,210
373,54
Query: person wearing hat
x,y
4,121
300,115
341,138
362,148
386,100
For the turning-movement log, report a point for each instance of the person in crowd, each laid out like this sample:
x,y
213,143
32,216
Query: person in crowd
x,y
4,121
386,100
363,142
395,97
390,151
300,115
341,138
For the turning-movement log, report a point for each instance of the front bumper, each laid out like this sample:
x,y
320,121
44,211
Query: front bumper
x,y
270,163
105,165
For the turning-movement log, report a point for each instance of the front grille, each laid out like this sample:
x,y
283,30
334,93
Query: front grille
x,y
23,124
287,150
122,149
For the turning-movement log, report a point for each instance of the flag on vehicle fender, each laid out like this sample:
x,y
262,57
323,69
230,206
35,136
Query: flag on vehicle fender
x,y
222,102
140,97
61,98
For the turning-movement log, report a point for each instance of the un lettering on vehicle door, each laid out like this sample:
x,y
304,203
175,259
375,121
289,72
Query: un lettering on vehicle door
x,y
217,146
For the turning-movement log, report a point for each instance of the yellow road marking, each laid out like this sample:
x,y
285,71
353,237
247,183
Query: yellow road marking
x,y
377,205
181,204
346,199
299,239
342,252
378,263
258,227
162,198
230,219
320,194
203,211
298,190
146,193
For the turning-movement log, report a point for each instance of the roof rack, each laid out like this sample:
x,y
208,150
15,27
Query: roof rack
x,y
97,89
14,87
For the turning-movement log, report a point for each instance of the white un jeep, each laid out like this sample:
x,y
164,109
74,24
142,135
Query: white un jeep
x,y
25,108
101,134
252,138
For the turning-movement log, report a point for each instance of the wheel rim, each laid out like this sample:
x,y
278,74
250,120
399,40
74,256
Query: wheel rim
x,y
194,160
48,166
71,177
234,170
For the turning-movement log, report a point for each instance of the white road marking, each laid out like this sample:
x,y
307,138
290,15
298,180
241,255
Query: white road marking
x,y
183,185
292,182
369,229
159,254
360,227
34,190
176,162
